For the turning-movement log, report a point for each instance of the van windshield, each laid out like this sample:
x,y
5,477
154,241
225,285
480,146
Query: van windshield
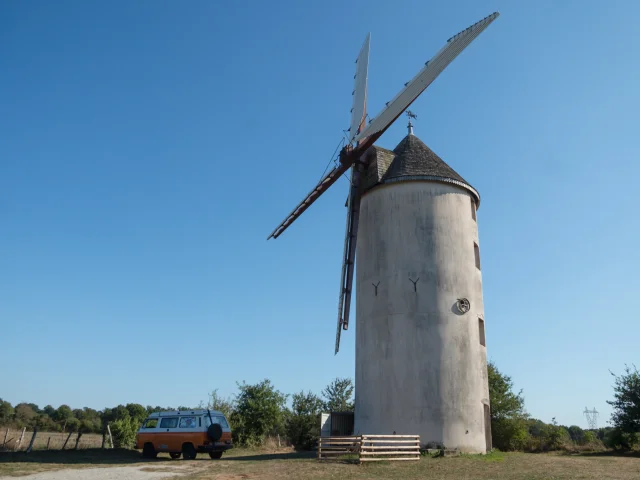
x,y
150,423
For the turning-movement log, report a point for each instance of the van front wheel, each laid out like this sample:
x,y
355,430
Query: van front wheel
x,y
189,451
215,455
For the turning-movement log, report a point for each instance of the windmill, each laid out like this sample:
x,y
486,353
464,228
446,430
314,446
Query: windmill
x,y
362,136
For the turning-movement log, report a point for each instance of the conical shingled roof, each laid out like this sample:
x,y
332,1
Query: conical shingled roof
x,y
415,161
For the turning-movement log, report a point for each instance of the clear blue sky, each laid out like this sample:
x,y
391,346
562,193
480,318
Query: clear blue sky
x,y
148,148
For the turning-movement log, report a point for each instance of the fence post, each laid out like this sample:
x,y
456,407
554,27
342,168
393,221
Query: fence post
x,y
6,434
33,438
110,436
65,442
48,443
104,438
77,440
20,441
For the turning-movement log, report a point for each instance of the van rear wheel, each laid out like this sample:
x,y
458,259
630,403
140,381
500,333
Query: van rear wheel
x,y
175,455
189,451
215,455
148,451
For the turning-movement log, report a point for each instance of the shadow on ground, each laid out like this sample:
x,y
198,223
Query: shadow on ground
x,y
271,456
608,453
96,456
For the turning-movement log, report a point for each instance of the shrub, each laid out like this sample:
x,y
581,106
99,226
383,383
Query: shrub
x,y
123,432
618,439
510,434
303,424
259,413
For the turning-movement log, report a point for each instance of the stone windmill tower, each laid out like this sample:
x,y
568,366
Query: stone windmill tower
x,y
420,348
421,365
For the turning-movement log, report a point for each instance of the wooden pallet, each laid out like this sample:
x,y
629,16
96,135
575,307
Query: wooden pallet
x,y
375,448
333,447
371,448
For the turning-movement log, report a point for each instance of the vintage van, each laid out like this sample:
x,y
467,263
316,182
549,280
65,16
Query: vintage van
x,y
184,432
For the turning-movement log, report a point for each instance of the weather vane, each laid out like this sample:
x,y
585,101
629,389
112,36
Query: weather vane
x,y
411,115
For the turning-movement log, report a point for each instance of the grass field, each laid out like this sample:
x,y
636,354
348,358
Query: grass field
x,y
249,464
55,440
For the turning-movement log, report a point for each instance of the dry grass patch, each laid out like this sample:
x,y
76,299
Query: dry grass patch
x,y
497,466
54,440
243,464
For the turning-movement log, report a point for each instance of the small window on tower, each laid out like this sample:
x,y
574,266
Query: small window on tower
x,y
481,329
473,209
476,251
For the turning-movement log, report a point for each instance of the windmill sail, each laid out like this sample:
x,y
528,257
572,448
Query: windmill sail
x,y
425,77
349,254
359,107
358,122
389,114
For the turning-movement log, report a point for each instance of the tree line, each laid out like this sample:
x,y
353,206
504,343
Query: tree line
x,y
512,428
259,411
256,413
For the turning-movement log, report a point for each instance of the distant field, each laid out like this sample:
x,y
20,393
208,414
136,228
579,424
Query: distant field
x,y
250,464
87,440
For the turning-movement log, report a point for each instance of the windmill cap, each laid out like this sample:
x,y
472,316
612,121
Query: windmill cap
x,y
415,161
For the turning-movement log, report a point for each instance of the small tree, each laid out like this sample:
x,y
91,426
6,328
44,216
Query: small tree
x,y
626,410
123,431
338,395
137,413
508,417
577,434
504,403
50,411
73,425
221,404
303,424
626,402
6,412
259,412
45,423
62,416
25,415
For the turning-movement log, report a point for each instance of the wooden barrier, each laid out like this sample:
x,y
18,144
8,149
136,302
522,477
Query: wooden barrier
x,y
389,447
333,447
371,448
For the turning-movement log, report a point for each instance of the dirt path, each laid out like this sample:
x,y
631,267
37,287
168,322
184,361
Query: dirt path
x,y
143,472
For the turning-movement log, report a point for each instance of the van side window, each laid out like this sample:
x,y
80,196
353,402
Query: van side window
x,y
171,422
187,422
150,423
221,421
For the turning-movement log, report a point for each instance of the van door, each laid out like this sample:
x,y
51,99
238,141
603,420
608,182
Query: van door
x,y
189,431
168,440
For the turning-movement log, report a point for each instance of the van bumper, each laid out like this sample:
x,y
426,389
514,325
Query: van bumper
x,y
217,447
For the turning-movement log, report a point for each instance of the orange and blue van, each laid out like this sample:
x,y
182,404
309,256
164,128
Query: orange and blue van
x,y
186,433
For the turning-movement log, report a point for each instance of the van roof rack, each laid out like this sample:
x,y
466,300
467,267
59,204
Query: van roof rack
x,y
169,413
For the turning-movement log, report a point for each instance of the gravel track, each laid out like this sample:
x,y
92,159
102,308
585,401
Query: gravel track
x,y
106,473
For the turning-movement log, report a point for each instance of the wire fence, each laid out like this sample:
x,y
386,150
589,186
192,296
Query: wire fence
x,y
20,440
